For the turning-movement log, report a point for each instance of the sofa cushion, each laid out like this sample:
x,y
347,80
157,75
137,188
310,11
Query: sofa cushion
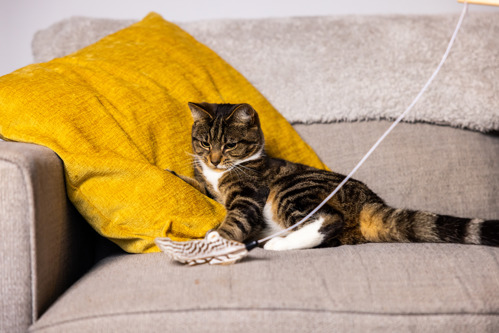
x,y
364,288
336,68
116,113
419,166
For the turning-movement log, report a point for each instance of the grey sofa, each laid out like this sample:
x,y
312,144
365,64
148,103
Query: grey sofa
x,y
336,79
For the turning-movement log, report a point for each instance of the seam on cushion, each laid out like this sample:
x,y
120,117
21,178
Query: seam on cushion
x,y
242,309
28,186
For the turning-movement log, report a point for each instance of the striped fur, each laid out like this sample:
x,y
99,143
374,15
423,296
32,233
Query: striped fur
x,y
263,193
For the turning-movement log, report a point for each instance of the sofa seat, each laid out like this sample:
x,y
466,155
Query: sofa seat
x,y
370,287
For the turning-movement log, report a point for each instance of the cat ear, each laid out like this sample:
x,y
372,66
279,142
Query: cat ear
x,y
201,111
243,113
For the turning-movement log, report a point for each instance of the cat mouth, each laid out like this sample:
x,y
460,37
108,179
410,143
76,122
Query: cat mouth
x,y
218,167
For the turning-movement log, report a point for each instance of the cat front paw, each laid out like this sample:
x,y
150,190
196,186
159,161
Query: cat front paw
x,y
172,172
222,233
276,244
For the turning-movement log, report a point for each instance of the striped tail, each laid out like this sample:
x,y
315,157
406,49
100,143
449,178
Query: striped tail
x,y
380,223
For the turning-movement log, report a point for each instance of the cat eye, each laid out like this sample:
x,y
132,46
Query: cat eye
x,y
205,144
230,145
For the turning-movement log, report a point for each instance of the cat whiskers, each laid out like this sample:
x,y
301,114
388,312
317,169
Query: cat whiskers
x,y
241,170
191,161
245,169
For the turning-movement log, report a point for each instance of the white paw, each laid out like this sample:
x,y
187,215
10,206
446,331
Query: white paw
x,y
276,244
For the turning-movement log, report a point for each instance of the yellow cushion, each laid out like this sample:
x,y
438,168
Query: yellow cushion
x,y
116,113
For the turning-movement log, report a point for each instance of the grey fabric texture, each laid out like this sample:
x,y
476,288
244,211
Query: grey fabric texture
x,y
15,259
365,288
419,166
330,69
41,235
373,287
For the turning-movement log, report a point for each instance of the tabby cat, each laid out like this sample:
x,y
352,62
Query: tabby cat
x,y
263,195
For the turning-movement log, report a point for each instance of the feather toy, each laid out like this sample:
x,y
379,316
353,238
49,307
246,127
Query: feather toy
x,y
213,249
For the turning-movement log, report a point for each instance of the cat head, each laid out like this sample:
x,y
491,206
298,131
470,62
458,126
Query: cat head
x,y
225,135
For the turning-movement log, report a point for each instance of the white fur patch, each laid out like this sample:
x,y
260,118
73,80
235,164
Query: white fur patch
x,y
304,238
212,176
271,226
474,232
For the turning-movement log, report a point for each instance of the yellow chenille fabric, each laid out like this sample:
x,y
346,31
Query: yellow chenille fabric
x,y
116,113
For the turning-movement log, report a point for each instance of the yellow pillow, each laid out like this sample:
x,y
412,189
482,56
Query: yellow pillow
x,y
116,113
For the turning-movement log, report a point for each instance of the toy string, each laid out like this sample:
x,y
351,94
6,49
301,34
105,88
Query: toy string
x,y
253,244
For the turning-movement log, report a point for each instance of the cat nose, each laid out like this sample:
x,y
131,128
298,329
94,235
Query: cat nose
x,y
215,158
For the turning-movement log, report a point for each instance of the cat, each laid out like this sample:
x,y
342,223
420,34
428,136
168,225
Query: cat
x,y
263,195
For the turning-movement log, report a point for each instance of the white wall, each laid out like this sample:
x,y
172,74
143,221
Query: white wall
x,y
19,19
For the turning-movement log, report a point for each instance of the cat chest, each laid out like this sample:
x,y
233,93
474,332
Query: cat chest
x,y
212,177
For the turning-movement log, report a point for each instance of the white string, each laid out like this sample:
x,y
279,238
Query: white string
x,y
398,120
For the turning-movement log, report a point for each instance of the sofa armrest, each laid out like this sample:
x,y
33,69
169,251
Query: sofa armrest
x,y
45,244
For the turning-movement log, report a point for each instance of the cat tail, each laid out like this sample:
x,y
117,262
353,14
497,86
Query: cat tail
x,y
380,223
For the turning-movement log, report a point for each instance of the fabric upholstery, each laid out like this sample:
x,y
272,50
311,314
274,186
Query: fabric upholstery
x,y
15,268
419,166
365,288
44,245
335,68
116,113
